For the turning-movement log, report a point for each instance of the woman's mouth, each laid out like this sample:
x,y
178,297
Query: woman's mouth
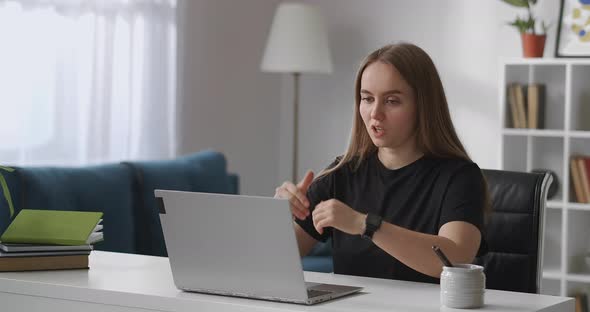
x,y
377,131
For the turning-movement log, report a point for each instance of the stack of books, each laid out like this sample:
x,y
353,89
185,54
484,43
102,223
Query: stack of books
x,y
50,240
580,173
527,108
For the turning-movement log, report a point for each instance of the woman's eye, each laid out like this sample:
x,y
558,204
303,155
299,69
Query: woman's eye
x,y
392,101
367,99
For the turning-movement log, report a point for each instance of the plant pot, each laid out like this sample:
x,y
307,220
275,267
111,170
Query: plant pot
x,y
533,45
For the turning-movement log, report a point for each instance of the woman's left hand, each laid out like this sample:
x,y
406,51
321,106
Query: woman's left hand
x,y
336,214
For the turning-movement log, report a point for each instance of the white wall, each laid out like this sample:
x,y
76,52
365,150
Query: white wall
x,y
226,103
229,105
466,40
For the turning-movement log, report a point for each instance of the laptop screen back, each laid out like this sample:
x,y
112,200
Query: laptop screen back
x,y
232,244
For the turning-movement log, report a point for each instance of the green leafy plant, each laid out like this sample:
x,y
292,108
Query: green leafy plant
x,y
526,25
5,190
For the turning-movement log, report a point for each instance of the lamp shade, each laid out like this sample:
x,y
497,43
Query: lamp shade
x,y
297,42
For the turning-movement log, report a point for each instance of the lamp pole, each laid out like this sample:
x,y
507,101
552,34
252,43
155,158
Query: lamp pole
x,y
295,124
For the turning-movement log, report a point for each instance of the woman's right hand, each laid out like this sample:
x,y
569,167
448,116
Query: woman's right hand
x,y
296,194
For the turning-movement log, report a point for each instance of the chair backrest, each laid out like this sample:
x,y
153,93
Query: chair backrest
x,y
514,230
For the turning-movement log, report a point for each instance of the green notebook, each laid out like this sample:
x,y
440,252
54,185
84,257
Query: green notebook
x,y
54,227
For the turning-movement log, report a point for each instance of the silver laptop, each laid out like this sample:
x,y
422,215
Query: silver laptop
x,y
237,245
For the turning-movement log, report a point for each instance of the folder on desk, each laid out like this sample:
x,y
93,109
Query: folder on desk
x,y
54,227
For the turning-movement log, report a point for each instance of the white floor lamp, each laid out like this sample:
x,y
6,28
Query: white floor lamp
x,y
297,43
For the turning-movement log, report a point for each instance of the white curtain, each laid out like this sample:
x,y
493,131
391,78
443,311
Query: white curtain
x,y
87,81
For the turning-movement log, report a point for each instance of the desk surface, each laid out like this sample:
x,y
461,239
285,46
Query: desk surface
x,y
145,282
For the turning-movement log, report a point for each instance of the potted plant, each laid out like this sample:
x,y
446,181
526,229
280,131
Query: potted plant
x,y
533,44
5,190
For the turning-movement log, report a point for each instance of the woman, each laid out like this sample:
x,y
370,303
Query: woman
x,y
404,184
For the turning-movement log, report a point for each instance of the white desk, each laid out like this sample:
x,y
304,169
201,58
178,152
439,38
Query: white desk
x,y
125,282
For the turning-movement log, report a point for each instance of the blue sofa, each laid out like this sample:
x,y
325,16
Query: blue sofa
x,y
124,192
319,258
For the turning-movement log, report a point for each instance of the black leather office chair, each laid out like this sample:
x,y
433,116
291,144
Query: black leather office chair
x,y
514,230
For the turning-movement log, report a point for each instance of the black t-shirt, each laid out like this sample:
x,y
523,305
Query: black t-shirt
x,y
421,196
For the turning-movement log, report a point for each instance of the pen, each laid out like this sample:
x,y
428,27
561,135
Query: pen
x,y
442,256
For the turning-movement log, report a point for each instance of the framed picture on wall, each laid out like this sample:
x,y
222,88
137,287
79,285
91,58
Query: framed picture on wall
x,y
573,30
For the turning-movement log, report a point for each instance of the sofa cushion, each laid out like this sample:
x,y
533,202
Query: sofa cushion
x,y
317,264
105,188
322,249
200,172
319,258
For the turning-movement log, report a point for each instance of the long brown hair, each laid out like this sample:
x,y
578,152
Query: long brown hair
x,y
435,133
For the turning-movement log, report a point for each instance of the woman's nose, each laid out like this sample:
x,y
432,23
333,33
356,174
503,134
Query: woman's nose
x,y
377,111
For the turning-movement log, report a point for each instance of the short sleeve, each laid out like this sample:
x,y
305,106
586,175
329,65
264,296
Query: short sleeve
x,y
464,199
321,189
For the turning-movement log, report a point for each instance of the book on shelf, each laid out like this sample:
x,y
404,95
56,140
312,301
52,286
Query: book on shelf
x,y
517,105
578,189
580,173
54,227
536,106
581,302
37,263
584,178
512,104
520,106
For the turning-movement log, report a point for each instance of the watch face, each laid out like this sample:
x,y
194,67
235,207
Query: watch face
x,y
372,223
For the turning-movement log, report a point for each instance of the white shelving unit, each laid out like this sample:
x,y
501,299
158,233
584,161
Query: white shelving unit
x,y
566,132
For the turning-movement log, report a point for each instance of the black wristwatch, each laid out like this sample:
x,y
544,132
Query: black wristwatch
x,y
372,224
